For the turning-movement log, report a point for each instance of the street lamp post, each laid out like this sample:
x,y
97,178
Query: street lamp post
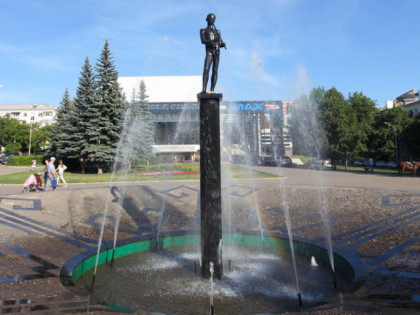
x,y
395,139
30,137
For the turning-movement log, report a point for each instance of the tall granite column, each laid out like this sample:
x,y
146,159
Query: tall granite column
x,y
210,184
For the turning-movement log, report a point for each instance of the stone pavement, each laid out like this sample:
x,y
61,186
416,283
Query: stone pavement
x,y
372,216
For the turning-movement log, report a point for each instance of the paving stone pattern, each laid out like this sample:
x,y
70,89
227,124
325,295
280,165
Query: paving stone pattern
x,y
40,231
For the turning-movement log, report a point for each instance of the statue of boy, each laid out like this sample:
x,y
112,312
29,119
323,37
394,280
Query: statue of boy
x,y
210,36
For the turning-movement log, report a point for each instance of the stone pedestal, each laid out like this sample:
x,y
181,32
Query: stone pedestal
x,y
210,184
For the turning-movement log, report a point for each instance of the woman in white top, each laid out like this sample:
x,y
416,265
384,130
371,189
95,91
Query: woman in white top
x,y
61,168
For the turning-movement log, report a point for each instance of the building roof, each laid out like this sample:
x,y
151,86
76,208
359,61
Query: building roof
x,y
164,89
34,107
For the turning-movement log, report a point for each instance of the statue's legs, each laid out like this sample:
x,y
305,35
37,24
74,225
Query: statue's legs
x,y
207,64
215,70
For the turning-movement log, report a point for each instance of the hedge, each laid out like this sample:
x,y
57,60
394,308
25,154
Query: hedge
x,y
25,160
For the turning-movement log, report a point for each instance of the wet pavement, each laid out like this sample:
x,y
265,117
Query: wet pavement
x,y
373,216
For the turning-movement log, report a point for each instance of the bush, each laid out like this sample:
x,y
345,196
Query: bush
x,y
25,160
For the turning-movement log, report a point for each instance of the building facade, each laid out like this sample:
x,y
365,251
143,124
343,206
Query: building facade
x,y
410,101
30,113
249,129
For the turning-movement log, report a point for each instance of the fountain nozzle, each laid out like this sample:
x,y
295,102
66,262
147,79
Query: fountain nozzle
x,y
92,286
112,259
300,301
335,280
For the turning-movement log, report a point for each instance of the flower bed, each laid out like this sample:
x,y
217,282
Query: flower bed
x,y
149,173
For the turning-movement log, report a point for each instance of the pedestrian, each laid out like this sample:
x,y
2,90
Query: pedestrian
x,y
33,164
46,161
61,168
371,164
51,174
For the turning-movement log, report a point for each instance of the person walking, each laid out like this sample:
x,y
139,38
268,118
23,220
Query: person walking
x,y
51,174
371,164
61,168
46,161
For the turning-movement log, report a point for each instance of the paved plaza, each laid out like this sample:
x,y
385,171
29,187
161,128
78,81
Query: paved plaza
x,y
375,217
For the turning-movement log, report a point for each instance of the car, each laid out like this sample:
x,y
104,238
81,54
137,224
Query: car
x,y
286,161
358,163
315,164
7,155
392,164
40,153
380,164
269,161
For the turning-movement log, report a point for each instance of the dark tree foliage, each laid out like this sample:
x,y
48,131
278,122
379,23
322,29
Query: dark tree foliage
x,y
382,138
410,141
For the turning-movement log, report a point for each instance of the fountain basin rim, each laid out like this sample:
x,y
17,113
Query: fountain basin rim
x,y
345,262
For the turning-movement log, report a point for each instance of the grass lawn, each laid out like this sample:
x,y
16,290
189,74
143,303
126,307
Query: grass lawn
x,y
228,171
362,169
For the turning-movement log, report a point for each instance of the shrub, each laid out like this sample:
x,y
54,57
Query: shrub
x,y
25,160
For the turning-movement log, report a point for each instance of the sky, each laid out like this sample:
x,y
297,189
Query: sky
x,y
276,49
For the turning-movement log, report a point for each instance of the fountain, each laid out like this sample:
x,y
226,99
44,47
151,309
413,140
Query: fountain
x,y
157,272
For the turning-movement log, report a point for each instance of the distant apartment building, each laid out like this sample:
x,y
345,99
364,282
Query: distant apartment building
x,y
35,113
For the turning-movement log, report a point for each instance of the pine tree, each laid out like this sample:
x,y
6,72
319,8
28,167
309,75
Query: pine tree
x,y
106,113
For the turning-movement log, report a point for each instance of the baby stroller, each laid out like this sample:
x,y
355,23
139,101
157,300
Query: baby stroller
x,y
32,183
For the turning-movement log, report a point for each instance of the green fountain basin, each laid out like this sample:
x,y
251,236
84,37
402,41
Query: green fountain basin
x,y
348,266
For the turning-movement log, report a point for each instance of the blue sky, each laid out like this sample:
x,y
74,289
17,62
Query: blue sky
x,y
276,50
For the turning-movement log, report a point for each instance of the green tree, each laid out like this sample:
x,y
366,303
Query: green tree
x,y
105,116
41,137
365,110
307,136
64,128
14,135
138,133
381,141
338,122
84,112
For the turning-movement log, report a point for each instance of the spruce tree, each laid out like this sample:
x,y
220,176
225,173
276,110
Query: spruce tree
x,y
64,127
141,125
106,113
83,104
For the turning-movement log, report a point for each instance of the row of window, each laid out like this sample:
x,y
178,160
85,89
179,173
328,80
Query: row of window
x,y
17,114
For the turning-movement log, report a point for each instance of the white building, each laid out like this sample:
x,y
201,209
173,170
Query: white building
x,y
175,109
164,89
35,113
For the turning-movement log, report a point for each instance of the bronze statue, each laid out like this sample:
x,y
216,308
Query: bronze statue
x,y
210,36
